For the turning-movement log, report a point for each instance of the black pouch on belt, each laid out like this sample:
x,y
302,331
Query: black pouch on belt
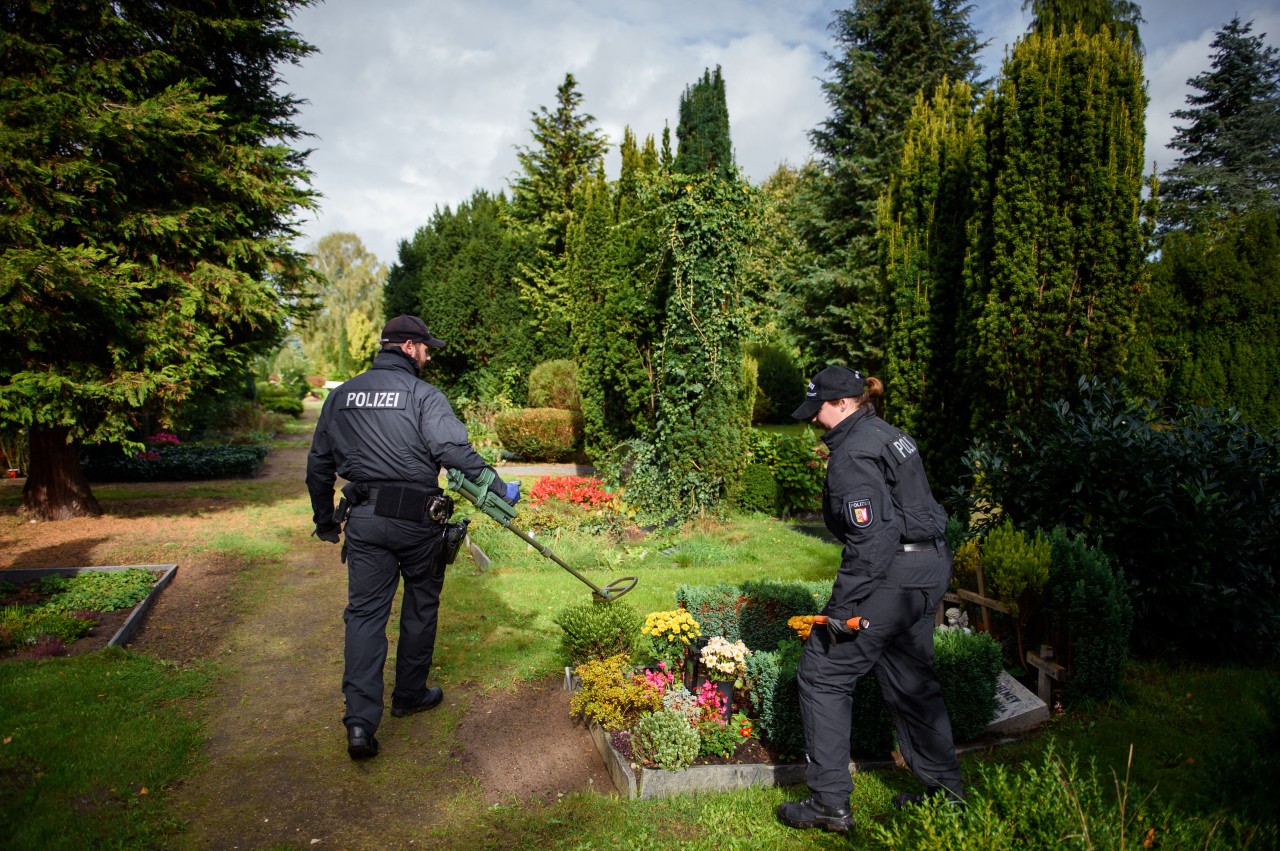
x,y
453,535
400,502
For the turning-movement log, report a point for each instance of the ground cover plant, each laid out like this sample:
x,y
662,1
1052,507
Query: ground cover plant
x,y
45,615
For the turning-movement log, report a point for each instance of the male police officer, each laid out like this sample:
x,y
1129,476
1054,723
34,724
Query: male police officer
x,y
388,433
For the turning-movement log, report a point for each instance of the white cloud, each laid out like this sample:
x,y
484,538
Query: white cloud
x,y
417,104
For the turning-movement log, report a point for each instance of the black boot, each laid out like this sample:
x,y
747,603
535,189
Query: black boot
x,y
811,813
360,743
429,701
912,799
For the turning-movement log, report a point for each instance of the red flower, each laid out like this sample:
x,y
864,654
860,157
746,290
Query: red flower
x,y
579,490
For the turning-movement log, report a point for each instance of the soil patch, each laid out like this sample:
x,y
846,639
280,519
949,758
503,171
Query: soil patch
x,y
276,772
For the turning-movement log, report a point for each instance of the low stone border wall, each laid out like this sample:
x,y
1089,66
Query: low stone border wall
x,y
133,623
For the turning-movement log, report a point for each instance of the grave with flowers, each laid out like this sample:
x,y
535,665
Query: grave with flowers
x,y
704,696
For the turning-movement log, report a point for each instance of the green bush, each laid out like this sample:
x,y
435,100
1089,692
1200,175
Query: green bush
x,y
103,591
768,605
1092,618
755,612
757,490
969,667
539,434
610,695
1056,805
665,739
554,384
24,625
598,630
795,465
184,462
780,381
279,398
716,608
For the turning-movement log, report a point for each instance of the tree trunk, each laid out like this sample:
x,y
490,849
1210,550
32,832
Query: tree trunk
x,y
56,487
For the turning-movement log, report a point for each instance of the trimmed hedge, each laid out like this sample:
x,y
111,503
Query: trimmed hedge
x,y
539,434
184,462
757,490
554,384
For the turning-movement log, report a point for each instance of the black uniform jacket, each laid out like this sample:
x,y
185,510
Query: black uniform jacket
x,y
876,497
386,426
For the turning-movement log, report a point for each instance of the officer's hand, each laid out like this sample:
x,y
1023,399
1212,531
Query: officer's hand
x,y
513,493
332,534
838,628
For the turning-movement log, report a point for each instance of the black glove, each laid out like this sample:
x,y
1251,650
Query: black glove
x,y
838,628
332,534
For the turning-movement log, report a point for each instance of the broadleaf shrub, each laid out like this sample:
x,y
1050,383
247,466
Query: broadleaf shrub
x,y
795,464
539,434
1183,500
554,384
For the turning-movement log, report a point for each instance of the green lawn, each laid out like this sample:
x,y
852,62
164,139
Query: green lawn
x,y
67,781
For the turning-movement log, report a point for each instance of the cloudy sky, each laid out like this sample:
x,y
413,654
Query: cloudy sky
x,y
414,104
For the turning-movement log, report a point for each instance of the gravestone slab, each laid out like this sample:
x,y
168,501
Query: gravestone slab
x,y
1018,708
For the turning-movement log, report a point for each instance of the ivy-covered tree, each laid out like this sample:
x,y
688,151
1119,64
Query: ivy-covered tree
x,y
886,52
1057,246
150,197
923,219
566,149
699,438
614,263
337,338
1229,149
702,135
1058,17
456,273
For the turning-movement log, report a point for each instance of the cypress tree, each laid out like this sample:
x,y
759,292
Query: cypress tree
x,y
923,220
1057,247
1211,319
456,273
702,134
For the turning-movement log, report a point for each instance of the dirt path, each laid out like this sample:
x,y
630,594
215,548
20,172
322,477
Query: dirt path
x,y
277,772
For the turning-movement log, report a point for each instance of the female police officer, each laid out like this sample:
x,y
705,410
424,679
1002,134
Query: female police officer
x,y
893,571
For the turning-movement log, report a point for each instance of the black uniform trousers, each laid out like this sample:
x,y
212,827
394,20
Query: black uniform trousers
x,y
379,550
898,647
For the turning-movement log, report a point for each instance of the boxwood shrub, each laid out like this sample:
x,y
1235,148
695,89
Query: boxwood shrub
x,y
539,434
184,462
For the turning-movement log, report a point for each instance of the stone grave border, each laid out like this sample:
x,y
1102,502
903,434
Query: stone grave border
x,y
1019,711
133,623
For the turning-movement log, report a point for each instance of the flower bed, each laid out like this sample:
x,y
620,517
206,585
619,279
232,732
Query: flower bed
x,y
46,611
665,705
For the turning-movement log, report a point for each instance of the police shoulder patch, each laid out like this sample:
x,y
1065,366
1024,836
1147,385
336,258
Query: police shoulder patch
x,y
859,511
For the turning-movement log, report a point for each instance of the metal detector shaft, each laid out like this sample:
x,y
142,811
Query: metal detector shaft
x,y
479,495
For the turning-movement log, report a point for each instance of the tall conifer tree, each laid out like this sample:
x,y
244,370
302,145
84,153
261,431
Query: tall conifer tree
x,y
1057,245
886,52
150,199
1229,149
566,150
703,143
924,217
1059,17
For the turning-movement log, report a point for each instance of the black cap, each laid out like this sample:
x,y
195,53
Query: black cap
x,y
404,328
834,382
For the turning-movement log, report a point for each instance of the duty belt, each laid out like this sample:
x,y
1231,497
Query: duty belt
x,y
921,546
